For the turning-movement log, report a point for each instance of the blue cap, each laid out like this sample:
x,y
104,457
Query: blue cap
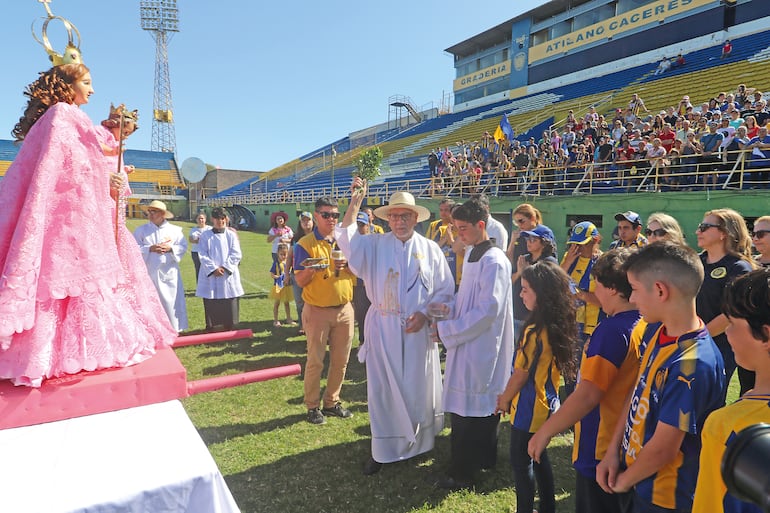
x,y
630,216
362,217
541,231
582,233
306,214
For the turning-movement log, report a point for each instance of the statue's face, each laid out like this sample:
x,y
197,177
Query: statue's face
x,y
83,89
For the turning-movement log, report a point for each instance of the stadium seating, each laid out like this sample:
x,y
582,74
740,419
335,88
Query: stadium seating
x,y
155,172
8,150
406,154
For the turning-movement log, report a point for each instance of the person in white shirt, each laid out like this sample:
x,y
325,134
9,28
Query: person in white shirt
x,y
495,229
163,245
195,235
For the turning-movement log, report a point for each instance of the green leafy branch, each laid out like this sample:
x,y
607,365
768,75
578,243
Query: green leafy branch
x,y
368,164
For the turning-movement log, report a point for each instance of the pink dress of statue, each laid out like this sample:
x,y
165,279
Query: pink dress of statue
x,y
71,297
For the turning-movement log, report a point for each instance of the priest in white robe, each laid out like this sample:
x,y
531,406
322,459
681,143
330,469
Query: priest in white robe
x,y
403,272
219,279
163,245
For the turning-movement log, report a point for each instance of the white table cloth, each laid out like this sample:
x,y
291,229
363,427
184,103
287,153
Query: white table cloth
x,y
148,459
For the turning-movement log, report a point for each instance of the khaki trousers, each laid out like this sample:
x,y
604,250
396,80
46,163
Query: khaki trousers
x,y
333,326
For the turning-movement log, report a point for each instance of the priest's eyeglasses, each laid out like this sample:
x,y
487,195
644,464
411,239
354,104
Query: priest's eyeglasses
x,y
403,217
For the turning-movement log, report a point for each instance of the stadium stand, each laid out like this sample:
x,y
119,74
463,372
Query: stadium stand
x,y
545,106
406,167
156,175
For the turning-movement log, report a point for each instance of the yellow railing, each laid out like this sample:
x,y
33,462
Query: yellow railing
x,y
679,174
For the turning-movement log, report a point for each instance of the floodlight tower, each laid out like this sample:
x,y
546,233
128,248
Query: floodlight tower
x,y
161,19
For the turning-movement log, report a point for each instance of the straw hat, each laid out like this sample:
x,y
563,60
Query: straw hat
x,y
158,205
276,215
406,201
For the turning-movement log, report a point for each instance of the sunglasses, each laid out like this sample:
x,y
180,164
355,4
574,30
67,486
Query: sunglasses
x,y
660,232
705,226
327,215
759,233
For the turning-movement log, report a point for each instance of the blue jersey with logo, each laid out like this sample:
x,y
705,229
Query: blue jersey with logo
x,y
681,381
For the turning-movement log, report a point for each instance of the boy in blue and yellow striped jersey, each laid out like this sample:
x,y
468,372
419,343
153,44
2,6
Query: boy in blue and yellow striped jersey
x,y
655,451
746,304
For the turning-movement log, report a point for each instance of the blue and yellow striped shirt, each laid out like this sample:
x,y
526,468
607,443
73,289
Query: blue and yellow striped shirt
x,y
539,397
680,382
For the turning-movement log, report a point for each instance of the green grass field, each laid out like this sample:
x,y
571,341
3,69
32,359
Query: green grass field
x,y
274,461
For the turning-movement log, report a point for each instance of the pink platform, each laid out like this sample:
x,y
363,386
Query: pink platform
x,y
161,378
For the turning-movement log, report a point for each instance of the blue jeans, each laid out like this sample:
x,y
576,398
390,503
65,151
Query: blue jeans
x,y
297,299
526,472
197,263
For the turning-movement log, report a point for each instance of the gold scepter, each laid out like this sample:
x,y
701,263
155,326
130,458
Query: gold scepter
x,y
120,163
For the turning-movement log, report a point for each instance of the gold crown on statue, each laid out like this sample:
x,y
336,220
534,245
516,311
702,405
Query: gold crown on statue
x,y
115,112
113,120
71,54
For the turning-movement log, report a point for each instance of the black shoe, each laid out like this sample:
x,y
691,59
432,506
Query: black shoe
x,y
337,411
314,416
450,483
371,467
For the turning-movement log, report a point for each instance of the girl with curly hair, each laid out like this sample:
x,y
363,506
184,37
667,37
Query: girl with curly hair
x,y
74,292
544,353
68,83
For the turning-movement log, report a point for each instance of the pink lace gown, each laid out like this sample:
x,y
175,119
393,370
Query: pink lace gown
x,y
71,298
115,165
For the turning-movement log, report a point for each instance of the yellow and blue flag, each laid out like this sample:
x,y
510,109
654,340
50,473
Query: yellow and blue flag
x,y
504,130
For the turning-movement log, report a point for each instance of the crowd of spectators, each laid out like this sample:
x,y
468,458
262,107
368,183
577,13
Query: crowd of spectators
x,y
682,147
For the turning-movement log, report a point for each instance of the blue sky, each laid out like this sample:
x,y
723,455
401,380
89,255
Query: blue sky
x,y
255,84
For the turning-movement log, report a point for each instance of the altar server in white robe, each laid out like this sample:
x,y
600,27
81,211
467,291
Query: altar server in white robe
x,y
219,279
478,335
163,245
403,272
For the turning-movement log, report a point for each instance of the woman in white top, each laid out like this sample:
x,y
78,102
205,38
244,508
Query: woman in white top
x,y
194,237
279,232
